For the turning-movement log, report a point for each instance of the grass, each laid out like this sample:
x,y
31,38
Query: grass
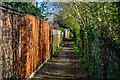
x,y
57,50
51,59
75,48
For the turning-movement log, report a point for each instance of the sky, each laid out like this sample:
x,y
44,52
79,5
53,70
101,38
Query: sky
x,y
49,9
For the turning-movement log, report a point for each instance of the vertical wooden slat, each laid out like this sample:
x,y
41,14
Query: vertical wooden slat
x,y
37,45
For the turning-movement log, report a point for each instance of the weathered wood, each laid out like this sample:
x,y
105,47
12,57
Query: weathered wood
x,y
35,44
28,44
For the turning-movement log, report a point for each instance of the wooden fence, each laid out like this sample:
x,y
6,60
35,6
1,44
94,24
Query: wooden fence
x,y
55,39
10,43
35,44
25,43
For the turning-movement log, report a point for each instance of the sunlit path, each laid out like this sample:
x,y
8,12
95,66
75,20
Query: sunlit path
x,y
65,66
60,40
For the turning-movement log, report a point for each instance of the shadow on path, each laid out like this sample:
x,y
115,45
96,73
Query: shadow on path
x,y
64,67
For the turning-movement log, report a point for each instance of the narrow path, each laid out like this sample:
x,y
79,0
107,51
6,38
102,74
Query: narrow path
x,y
64,67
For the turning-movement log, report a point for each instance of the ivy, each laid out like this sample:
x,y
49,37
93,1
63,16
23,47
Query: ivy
x,y
93,26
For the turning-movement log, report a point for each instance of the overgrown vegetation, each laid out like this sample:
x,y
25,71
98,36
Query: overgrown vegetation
x,y
95,28
75,48
96,32
57,51
26,7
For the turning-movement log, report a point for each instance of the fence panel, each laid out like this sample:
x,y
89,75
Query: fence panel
x,y
55,39
35,44
10,43
24,44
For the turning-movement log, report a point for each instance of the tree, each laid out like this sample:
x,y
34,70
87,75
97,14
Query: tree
x,y
93,25
26,7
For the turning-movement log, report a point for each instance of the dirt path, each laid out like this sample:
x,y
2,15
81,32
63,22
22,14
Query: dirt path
x,y
64,67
